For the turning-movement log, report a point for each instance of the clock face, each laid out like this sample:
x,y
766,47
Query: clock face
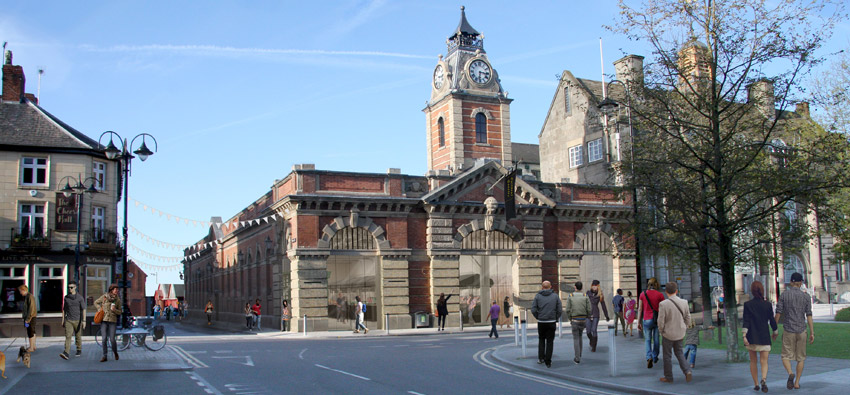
x,y
479,71
438,76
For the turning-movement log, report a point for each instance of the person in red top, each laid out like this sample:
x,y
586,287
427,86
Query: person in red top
x,y
256,309
647,306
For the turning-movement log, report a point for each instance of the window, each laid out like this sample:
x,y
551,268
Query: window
x,y
481,128
10,278
575,156
791,214
34,171
49,288
442,127
568,105
594,150
794,265
99,170
32,220
97,220
97,280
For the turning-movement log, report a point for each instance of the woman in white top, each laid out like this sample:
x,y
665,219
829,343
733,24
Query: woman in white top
x,y
358,312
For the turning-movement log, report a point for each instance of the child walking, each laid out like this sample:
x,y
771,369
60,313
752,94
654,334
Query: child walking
x,y
692,341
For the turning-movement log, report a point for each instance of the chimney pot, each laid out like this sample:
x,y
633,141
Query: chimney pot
x,y
14,81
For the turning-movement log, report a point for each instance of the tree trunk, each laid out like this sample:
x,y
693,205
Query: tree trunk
x,y
705,286
727,271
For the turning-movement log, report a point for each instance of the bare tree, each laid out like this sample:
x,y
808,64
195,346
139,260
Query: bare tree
x,y
718,154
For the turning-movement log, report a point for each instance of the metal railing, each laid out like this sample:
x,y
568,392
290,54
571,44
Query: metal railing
x,y
30,238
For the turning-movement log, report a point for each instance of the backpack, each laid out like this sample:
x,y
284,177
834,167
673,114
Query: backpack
x,y
363,308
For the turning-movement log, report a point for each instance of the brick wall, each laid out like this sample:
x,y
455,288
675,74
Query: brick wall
x,y
346,183
420,286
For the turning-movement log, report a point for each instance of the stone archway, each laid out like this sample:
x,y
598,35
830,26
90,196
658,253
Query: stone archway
x,y
353,221
597,261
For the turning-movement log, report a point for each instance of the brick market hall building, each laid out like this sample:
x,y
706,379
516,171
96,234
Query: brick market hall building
x,y
319,238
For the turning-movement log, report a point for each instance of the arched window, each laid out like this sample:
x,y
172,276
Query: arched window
x,y
480,128
441,125
793,265
568,105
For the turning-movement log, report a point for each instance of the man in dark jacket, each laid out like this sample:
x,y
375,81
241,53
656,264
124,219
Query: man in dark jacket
x,y
546,308
28,314
596,299
73,319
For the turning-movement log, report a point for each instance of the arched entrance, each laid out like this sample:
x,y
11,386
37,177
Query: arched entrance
x,y
352,272
597,262
486,269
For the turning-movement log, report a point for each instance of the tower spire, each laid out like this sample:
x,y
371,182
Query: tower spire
x,y
465,36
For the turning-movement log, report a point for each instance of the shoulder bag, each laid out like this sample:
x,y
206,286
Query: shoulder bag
x,y
654,312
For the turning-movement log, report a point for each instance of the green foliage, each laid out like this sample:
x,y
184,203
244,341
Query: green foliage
x,y
843,315
831,341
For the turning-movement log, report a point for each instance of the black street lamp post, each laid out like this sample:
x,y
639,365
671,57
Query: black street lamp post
x,y
126,158
608,106
79,189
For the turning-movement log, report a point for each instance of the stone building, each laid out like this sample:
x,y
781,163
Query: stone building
x,y
38,224
321,238
579,144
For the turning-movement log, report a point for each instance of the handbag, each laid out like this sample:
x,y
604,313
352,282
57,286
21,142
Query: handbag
x,y
98,317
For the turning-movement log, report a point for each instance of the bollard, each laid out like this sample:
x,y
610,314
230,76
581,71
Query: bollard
x,y
305,325
612,350
560,330
516,330
460,314
387,323
524,333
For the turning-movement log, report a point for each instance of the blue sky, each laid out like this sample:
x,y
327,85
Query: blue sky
x,y
237,92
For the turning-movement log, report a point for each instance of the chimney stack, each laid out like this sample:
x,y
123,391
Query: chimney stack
x,y
13,80
760,95
629,70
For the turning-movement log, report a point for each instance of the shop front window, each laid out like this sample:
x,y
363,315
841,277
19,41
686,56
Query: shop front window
x,y
50,288
349,277
10,278
483,279
97,281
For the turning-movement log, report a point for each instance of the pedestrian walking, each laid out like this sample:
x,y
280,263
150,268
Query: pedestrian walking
x,y
110,304
493,316
594,294
630,312
673,321
341,308
794,311
577,311
156,312
168,313
257,309
692,341
185,309
473,301
284,315
509,310
209,310
546,308
360,317
442,311
249,316
29,315
73,319
758,314
648,315
619,303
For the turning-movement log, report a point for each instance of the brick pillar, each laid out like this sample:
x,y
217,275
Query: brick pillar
x,y
310,291
394,292
528,276
625,272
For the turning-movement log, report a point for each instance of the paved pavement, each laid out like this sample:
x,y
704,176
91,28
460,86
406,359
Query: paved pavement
x,y
711,375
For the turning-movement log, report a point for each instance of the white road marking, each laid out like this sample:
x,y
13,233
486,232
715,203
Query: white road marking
x,y
344,372
414,393
248,360
190,359
301,354
196,352
223,351
481,357
208,388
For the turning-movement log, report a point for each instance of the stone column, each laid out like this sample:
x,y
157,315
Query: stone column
x,y
625,272
309,278
395,289
569,270
528,275
445,278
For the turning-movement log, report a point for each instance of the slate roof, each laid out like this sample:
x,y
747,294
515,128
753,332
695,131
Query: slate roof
x,y
529,153
463,27
25,124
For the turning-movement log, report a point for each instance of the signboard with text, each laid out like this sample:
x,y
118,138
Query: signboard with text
x,y
66,213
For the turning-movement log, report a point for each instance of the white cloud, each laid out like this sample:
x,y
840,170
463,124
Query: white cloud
x,y
225,50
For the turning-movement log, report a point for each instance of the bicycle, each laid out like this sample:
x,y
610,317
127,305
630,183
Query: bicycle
x,y
150,336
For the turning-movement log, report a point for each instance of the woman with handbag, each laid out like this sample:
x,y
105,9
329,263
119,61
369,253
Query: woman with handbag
x,y
209,310
110,306
249,316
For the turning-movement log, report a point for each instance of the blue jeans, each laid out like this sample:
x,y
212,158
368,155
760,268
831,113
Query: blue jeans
x,y
691,353
493,330
650,334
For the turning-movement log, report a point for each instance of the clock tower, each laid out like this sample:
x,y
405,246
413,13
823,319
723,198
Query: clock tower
x,y
468,115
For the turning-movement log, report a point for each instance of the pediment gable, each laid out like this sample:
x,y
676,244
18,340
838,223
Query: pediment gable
x,y
471,186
